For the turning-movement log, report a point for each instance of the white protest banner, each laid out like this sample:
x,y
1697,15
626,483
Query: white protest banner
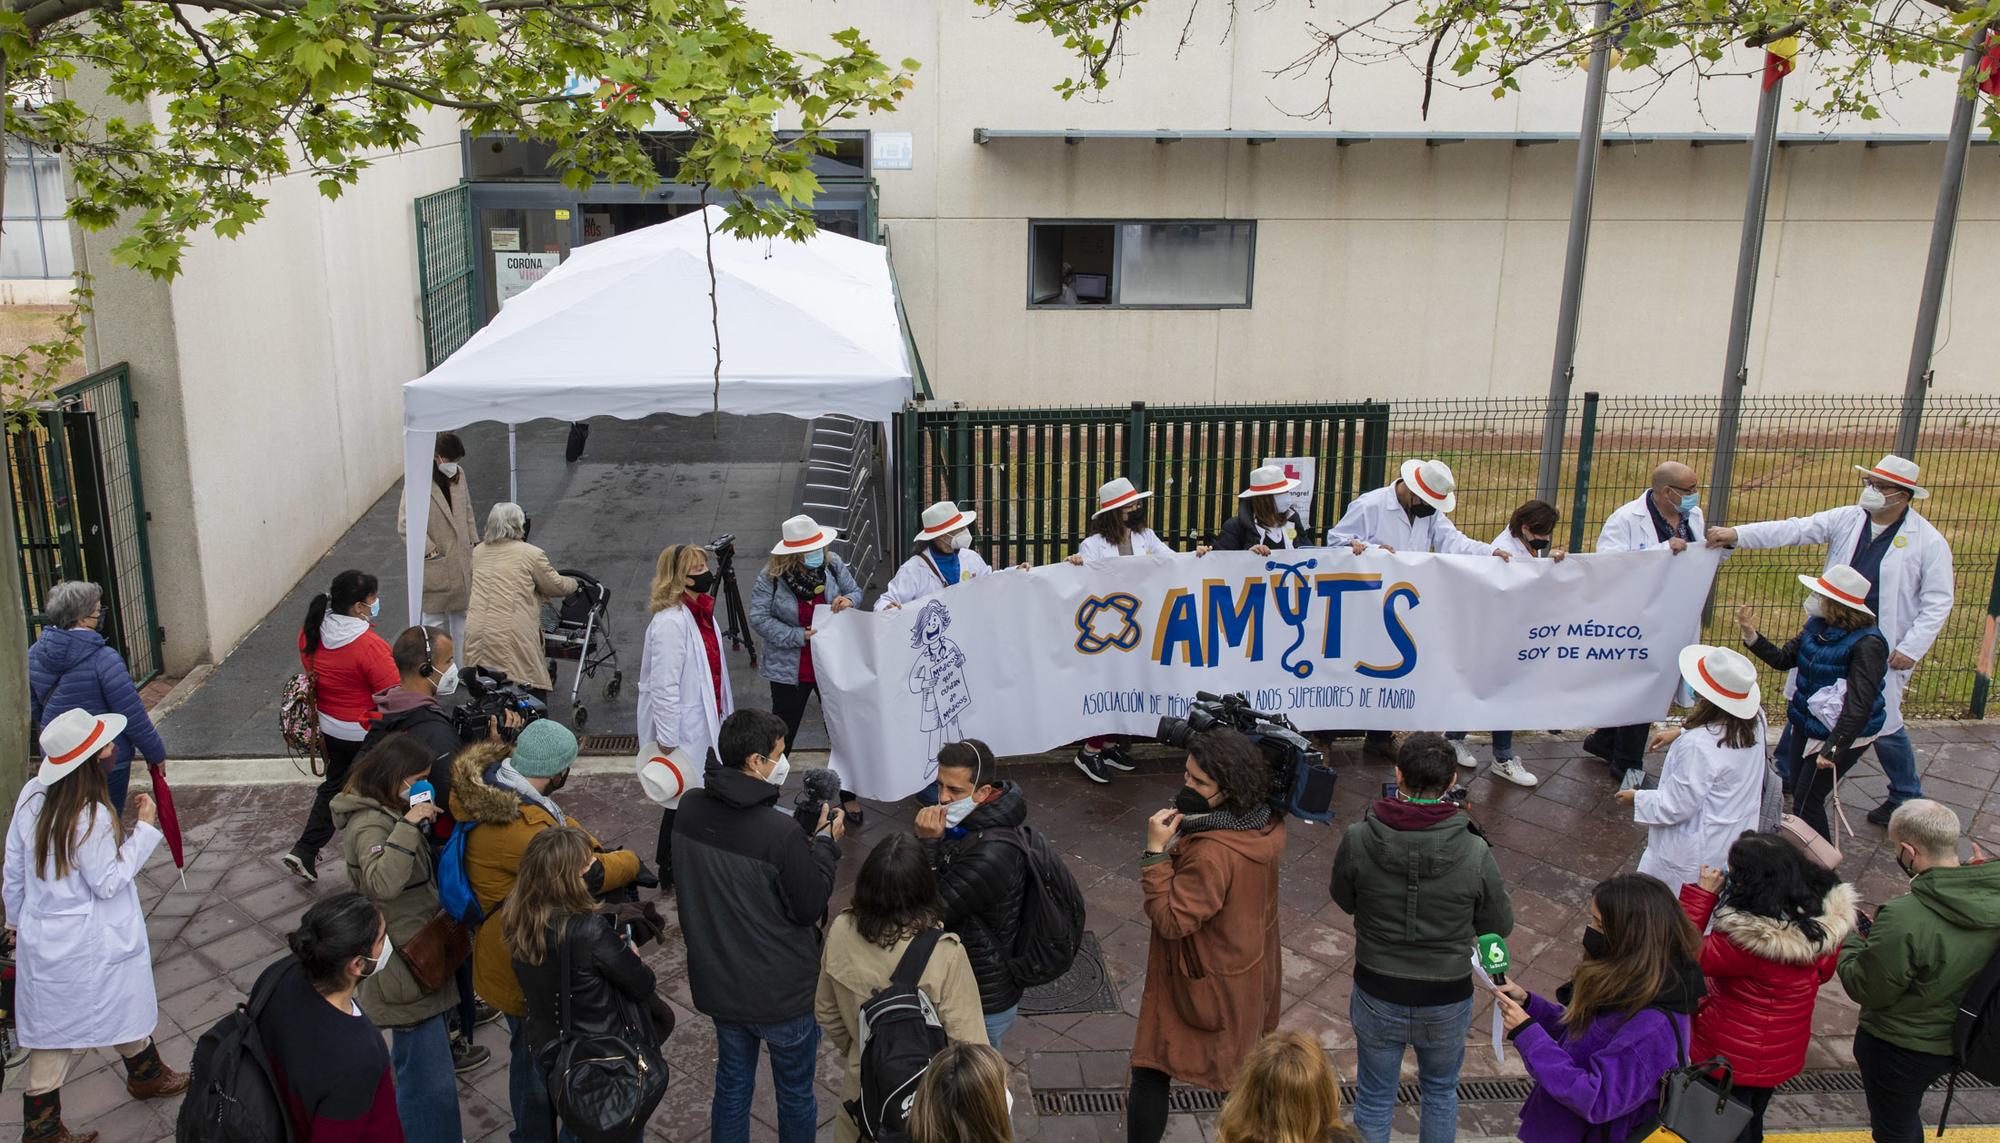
x,y
1030,660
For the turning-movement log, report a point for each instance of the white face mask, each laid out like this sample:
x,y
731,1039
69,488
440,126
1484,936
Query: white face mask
x,y
961,540
1873,499
1815,607
449,469
959,810
447,683
780,770
378,963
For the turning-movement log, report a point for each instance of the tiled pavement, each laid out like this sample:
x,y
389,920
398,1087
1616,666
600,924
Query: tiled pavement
x,y
1554,842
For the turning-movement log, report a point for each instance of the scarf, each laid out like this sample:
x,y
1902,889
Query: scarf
x,y
808,584
337,631
508,778
1258,817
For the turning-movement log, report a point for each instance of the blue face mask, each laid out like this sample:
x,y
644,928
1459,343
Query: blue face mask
x,y
375,609
1689,502
816,559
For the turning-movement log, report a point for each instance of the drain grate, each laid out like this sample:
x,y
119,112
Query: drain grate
x,y
610,744
1111,1101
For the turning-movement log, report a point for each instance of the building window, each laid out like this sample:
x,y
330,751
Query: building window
x,y
34,237
1188,264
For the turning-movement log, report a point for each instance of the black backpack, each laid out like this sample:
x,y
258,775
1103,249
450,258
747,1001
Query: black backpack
x,y
232,1094
900,1034
1051,926
1975,1035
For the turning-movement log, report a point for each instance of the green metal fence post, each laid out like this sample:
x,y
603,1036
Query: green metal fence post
x,y
1586,446
1135,444
961,456
1982,678
910,462
1374,446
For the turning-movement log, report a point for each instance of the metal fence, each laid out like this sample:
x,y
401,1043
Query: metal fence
x,y
1032,474
446,283
80,511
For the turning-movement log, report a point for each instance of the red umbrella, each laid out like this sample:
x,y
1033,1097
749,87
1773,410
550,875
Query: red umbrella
x,y
170,822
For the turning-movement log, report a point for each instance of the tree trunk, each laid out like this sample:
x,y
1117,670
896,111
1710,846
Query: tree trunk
x,y
15,748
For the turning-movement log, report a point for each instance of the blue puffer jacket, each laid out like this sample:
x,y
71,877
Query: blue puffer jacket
x,y
1823,654
71,667
774,616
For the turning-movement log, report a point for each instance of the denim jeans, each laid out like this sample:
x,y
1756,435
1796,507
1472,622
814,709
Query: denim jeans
x,y
1894,1079
1899,762
1503,743
426,1085
119,780
794,1048
528,1091
1381,1033
997,1024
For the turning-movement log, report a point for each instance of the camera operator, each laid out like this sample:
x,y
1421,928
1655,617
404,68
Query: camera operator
x,y
752,890
1422,886
1214,967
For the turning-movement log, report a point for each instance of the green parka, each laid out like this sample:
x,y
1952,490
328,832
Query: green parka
x,y
1421,890
389,862
1911,970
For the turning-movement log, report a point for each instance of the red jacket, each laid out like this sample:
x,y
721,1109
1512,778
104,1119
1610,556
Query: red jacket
x,y
1763,979
350,676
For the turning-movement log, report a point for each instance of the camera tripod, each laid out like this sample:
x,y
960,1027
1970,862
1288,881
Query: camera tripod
x,y
723,548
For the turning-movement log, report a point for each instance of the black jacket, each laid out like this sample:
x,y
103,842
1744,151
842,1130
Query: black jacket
x,y
1240,531
752,890
421,719
982,881
611,989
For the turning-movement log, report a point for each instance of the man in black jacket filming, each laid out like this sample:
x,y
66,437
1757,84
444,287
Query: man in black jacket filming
x,y
980,878
752,888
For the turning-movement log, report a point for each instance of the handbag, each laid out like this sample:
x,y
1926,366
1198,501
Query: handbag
x,y
436,951
298,718
1693,1108
602,1085
1818,850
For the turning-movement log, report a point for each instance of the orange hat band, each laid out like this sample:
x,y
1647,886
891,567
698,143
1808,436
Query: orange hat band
x,y
1701,667
96,732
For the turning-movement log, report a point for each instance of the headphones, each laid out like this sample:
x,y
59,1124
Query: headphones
x,y
427,668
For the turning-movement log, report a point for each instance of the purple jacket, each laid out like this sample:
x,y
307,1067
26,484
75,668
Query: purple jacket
x,y
1601,1085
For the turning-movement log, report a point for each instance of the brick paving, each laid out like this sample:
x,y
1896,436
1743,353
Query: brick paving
x,y
1554,842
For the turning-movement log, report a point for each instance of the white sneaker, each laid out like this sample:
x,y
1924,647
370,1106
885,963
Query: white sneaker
x,y
1512,770
1466,757
1633,780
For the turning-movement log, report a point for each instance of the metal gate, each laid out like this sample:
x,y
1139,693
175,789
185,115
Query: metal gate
x,y
445,272
81,510
1032,474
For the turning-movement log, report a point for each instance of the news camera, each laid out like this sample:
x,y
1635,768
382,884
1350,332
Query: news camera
x,y
491,696
1301,780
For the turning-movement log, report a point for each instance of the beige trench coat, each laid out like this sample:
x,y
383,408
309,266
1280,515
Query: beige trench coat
x,y
503,628
448,542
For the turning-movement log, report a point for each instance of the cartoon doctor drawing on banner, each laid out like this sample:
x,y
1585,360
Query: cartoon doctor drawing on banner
x,y
939,676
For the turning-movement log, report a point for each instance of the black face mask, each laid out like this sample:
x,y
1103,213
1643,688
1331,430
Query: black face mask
x,y
1421,509
1596,946
557,782
1538,546
1191,801
703,583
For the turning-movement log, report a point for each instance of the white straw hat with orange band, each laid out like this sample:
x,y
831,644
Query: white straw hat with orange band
x,y
1723,677
1269,480
1842,584
73,738
1432,480
804,534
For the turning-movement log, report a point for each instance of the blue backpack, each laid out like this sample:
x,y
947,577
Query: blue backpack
x,y
454,886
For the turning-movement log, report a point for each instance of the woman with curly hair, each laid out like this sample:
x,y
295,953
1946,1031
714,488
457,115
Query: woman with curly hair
x,y
896,911
1210,874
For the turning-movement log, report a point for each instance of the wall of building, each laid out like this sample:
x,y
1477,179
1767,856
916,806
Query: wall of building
x,y
268,376
1395,267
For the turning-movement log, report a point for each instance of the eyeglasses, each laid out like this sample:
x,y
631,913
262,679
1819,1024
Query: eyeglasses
x,y
1688,491
1885,487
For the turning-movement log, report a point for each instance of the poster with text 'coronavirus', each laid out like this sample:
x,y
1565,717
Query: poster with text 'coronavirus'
x,y
1031,660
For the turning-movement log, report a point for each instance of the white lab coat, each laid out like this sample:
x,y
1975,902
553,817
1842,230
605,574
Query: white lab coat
x,y
1916,593
918,577
1709,796
1144,543
1630,529
85,968
677,690
1379,518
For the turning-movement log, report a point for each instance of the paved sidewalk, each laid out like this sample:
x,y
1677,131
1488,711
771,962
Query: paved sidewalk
x,y
640,486
1553,844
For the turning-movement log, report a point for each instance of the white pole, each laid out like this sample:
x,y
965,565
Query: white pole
x,y
513,469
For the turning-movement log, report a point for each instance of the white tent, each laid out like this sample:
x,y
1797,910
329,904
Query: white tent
x,y
622,329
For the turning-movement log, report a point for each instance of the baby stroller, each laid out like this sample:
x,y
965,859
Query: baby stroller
x,y
574,630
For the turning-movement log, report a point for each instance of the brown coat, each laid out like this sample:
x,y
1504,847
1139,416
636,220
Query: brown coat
x,y
503,628
1213,971
507,823
853,969
448,542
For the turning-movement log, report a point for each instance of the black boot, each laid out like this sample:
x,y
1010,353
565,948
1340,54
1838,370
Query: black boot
x,y
41,1120
148,1077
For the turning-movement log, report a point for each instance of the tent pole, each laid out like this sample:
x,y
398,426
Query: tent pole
x,y
513,469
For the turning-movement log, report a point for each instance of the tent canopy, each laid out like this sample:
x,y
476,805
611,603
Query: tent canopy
x,y
622,328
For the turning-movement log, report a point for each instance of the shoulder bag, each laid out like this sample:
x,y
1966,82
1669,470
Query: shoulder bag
x,y
436,951
602,1085
298,717
1694,1108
